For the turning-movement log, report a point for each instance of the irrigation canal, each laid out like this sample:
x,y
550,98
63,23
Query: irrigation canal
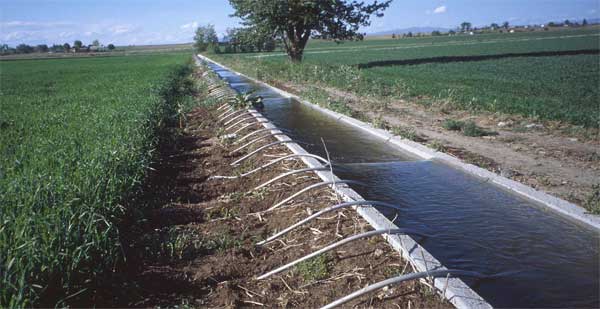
x,y
545,260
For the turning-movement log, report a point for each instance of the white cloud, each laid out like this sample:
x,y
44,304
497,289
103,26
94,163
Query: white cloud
x,y
15,35
66,34
122,29
440,10
34,24
193,25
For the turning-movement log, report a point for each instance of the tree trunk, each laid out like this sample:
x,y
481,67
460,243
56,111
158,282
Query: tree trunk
x,y
295,53
297,38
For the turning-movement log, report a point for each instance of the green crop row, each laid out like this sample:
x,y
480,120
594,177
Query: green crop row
x,y
76,139
546,86
363,52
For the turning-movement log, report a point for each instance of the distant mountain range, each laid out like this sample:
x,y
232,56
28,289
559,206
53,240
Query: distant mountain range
x,y
407,30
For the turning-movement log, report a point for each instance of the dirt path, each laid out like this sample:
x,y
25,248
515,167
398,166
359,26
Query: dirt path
x,y
195,244
559,159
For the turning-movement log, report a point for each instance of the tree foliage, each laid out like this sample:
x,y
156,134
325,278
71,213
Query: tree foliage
x,y
295,21
77,45
24,49
249,40
41,48
205,38
465,26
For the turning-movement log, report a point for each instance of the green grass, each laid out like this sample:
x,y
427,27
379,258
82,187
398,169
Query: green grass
x,y
76,139
557,87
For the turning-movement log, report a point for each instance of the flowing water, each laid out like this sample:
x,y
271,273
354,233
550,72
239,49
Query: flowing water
x,y
545,260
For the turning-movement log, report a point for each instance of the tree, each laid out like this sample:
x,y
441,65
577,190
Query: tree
x,y
77,45
250,40
269,44
205,36
584,22
67,47
199,43
494,26
505,25
42,48
96,43
57,48
24,49
295,21
465,26
111,46
232,40
436,33
6,50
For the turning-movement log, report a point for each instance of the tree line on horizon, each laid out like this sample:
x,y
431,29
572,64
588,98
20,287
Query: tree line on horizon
x,y
467,27
77,47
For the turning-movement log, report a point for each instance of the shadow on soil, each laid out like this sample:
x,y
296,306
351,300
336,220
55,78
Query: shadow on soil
x,y
153,220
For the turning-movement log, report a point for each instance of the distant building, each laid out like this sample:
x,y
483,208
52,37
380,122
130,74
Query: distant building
x,y
100,48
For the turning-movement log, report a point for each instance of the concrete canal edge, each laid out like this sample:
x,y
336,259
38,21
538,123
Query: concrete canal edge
x,y
455,290
566,209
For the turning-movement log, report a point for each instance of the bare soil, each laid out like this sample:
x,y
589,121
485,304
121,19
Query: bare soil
x,y
554,157
194,244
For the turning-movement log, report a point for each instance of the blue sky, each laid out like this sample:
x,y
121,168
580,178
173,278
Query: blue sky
x,y
137,22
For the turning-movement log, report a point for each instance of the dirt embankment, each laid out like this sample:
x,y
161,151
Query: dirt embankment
x,y
560,159
195,245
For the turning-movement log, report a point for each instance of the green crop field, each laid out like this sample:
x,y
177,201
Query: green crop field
x,y
76,138
551,75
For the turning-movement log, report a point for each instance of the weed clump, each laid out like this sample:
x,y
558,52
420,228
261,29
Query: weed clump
x,y
471,129
438,146
406,132
593,201
380,123
314,269
468,128
453,125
